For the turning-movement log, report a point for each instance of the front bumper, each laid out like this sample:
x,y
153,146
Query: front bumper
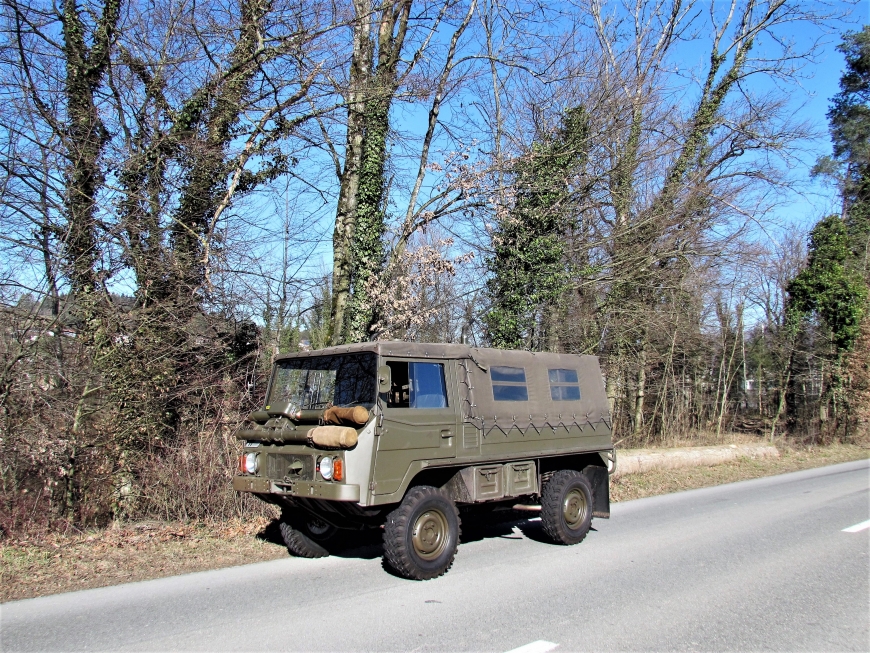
x,y
309,489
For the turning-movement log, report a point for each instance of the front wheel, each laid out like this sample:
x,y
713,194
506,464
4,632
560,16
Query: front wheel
x,y
566,507
422,534
307,537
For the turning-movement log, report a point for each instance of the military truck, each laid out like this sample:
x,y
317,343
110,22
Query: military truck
x,y
406,437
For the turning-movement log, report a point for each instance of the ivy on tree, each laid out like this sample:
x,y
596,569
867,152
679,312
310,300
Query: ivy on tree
x,y
527,264
828,287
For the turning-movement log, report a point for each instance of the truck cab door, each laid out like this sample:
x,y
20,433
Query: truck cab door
x,y
420,419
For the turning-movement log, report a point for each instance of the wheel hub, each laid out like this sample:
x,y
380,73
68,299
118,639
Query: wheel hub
x,y
429,535
574,508
318,528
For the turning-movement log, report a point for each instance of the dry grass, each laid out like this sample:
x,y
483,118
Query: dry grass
x,y
792,459
697,439
62,563
135,552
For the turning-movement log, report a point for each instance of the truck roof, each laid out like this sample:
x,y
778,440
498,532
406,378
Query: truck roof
x,y
482,356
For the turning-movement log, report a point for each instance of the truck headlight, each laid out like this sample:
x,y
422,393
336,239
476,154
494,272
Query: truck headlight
x,y
252,462
325,467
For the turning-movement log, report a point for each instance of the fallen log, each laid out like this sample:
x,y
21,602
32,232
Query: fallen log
x,y
632,461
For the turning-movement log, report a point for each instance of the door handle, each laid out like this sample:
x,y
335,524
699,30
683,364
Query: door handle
x,y
446,433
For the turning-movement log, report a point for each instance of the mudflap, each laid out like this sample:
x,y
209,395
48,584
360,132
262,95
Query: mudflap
x,y
600,481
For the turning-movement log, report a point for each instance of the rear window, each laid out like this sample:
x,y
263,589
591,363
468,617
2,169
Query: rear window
x,y
564,385
509,383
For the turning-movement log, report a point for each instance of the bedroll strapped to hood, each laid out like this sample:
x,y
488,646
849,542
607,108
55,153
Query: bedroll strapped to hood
x,y
332,437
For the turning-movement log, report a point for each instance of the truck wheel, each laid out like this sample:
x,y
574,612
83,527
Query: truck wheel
x,y
566,507
306,537
422,534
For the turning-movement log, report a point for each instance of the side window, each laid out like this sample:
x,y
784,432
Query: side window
x,y
509,383
564,385
400,390
417,385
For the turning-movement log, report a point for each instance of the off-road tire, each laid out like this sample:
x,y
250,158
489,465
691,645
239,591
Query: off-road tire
x,y
301,542
421,535
566,507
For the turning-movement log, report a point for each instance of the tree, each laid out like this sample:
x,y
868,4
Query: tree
x,y
828,287
849,119
835,284
528,260
671,184
369,129
377,73
156,126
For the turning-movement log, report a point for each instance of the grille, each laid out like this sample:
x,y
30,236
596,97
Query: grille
x,y
290,466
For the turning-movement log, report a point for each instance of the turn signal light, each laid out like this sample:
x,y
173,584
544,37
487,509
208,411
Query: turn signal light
x,y
248,463
337,469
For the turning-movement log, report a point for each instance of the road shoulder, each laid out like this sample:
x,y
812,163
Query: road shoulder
x,y
64,563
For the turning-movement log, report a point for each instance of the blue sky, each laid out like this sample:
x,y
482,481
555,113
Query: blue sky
x,y
812,103
795,212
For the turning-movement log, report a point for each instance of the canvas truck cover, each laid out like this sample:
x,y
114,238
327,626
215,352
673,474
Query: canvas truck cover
x,y
526,390
509,390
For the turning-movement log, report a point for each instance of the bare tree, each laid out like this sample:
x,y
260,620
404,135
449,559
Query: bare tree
x,y
669,187
377,78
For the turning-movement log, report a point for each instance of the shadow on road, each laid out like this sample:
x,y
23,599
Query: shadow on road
x,y
368,545
349,544
476,529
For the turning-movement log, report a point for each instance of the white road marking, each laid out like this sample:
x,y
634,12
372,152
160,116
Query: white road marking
x,y
539,646
863,526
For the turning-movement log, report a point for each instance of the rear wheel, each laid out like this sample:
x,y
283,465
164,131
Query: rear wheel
x,y
307,537
422,534
566,507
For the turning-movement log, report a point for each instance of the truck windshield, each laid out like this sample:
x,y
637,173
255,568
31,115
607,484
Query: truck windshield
x,y
311,383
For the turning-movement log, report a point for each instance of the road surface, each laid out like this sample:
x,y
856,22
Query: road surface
x,y
761,564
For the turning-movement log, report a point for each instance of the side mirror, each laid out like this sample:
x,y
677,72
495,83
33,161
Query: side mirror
x,y
385,380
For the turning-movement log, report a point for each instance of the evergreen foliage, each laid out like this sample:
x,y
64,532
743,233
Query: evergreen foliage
x,y
834,283
849,118
828,287
527,265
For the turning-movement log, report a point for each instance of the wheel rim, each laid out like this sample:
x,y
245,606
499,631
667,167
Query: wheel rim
x,y
574,508
319,529
429,535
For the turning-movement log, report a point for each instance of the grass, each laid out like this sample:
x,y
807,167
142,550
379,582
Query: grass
x,y
135,552
792,458
62,563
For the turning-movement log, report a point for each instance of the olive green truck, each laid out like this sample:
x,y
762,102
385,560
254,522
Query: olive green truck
x,y
406,437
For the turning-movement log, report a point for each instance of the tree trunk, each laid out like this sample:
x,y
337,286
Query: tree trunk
x,y
780,406
85,135
357,239
640,389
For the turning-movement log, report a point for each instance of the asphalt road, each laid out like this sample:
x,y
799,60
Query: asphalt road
x,y
757,565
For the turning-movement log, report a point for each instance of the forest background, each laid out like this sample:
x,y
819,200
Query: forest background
x,y
191,188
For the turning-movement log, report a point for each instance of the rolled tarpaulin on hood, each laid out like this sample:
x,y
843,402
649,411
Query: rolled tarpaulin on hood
x,y
354,416
332,437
